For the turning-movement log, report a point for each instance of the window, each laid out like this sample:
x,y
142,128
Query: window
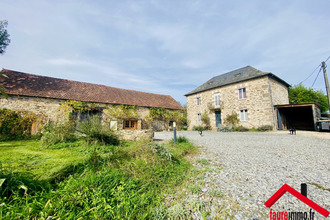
x,y
217,100
198,99
244,115
113,125
130,124
199,117
242,93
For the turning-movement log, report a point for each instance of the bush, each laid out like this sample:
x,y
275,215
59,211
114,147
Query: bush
x,y
241,129
206,120
15,124
232,119
56,133
265,128
94,132
180,139
198,128
161,151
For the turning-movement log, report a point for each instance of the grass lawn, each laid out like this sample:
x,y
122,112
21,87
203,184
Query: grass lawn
x,y
43,163
75,181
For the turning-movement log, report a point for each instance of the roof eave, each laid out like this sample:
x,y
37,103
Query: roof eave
x,y
267,74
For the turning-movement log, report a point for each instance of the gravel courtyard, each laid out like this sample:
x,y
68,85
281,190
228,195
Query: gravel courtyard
x,y
248,168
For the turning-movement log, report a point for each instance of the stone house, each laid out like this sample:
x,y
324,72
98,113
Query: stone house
x,y
247,92
54,99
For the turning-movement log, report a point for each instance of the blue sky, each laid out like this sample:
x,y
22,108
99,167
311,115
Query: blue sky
x,y
166,47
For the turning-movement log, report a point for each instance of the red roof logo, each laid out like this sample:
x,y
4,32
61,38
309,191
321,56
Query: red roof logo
x,y
286,188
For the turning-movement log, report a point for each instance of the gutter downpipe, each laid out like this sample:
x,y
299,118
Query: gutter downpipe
x,y
271,102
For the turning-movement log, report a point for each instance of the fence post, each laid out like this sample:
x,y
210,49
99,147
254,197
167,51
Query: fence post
x,y
174,130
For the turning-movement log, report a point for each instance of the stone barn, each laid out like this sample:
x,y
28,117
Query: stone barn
x,y
131,113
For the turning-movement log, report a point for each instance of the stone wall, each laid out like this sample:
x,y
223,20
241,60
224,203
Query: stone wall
x,y
258,102
50,110
40,106
135,135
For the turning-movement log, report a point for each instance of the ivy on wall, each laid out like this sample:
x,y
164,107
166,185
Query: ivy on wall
x,y
70,106
167,115
122,111
17,124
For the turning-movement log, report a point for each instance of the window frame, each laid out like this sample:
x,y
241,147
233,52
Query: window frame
x,y
243,115
216,100
242,95
130,124
198,101
199,117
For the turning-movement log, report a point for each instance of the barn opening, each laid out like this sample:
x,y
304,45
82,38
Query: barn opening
x,y
298,116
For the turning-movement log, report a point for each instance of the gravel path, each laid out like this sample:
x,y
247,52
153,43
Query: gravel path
x,y
248,168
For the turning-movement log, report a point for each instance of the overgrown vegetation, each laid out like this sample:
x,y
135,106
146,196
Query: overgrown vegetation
x,y
122,111
167,115
198,128
94,132
206,120
232,119
259,129
16,125
72,181
265,128
54,133
299,94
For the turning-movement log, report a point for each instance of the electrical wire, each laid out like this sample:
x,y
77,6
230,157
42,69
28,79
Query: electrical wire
x,y
310,74
327,59
317,76
314,71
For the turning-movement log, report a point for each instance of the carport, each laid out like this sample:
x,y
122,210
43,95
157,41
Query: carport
x,y
298,116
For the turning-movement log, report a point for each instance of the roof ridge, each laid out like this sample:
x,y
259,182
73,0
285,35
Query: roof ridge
x,y
27,84
238,75
132,90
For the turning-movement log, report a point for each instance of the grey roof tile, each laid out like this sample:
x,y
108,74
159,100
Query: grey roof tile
x,y
234,76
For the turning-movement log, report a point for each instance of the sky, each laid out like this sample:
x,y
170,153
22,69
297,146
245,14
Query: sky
x,y
166,46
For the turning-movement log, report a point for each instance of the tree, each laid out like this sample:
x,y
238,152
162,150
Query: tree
x,y
4,36
300,94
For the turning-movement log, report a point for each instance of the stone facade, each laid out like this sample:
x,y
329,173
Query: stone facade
x,y
136,135
261,95
50,110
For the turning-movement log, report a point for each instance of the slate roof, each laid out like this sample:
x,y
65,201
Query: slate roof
x,y
235,76
25,84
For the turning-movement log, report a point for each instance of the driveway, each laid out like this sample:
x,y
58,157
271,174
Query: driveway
x,y
250,167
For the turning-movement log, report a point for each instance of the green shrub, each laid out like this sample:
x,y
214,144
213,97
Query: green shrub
x,y
57,133
180,139
94,132
232,119
159,213
265,128
196,205
198,128
194,188
203,161
241,129
206,120
161,151
178,212
15,124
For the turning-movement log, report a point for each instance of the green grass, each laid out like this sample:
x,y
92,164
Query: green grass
x,y
42,163
74,181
